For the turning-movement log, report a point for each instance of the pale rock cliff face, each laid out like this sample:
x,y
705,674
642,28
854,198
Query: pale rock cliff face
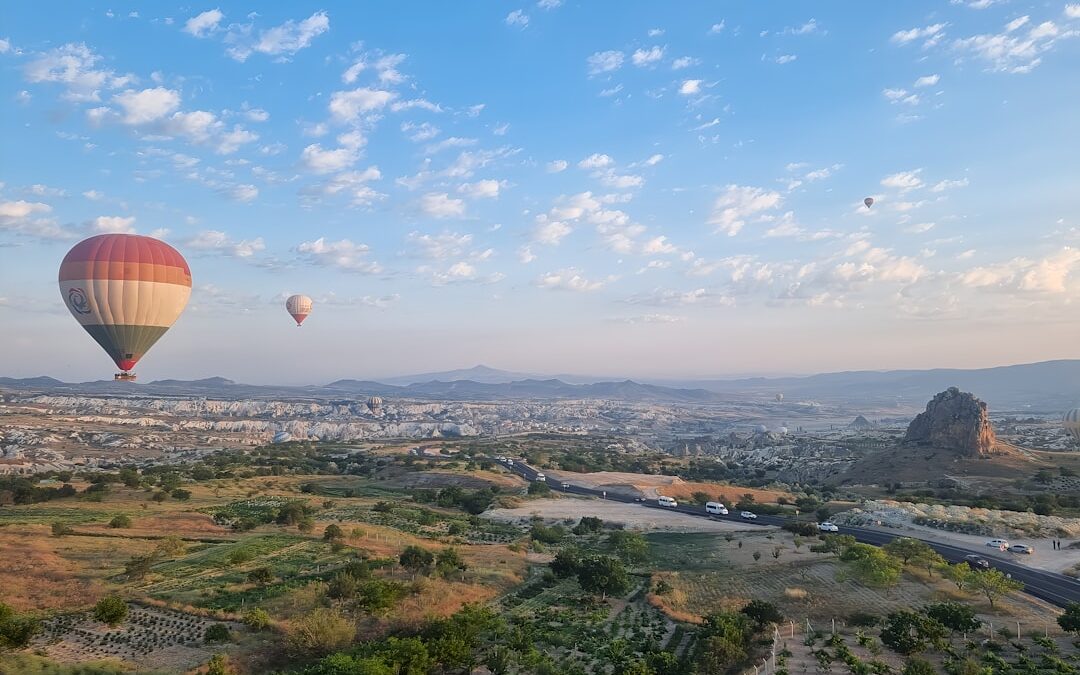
x,y
953,420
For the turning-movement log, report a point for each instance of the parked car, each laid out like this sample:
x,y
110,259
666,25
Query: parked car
x,y
667,502
540,478
1021,548
827,527
976,562
509,462
716,508
640,499
999,544
747,515
566,486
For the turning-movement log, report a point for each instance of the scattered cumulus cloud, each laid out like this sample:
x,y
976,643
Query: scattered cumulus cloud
x,y
647,57
738,203
605,62
517,18
202,25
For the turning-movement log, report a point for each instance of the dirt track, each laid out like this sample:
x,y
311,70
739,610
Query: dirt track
x,y
633,516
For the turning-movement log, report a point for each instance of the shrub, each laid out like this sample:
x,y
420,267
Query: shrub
x,y
256,619
120,521
762,613
954,616
218,632
181,494
261,575
59,529
16,630
111,610
321,631
332,532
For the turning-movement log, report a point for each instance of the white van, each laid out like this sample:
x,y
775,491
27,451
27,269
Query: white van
x,y
716,508
667,502
541,478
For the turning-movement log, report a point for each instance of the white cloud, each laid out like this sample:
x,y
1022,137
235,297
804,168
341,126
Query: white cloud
x,y
75,66
927,81
807,28
418,133
482,189
286,39
1017,23
690,87
605,62
919,228
148,105
549,4
439,246
203,24
216,241
343,255
314,158
785,58
108,224
28,218
596,161
242,193
418,103
551,232
257,114
518,18
525,255
570,279
557,165
1072,11
931,33
716,28
93,195
647,57
658,246
949,185
619,181
347,106
683,62
354,184
442,205
738,203
903,180
1012,51
451,142
654,160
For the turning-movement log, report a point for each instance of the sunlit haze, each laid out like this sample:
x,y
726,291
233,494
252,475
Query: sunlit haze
x,y
603,188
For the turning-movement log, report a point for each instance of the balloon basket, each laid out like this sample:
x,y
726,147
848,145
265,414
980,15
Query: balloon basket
x,y
124,377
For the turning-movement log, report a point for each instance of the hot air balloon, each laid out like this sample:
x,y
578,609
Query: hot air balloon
x,y
374,403
299,306
869,201
126,290
1072,423
779,398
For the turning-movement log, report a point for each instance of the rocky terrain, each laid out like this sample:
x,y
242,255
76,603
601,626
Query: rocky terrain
x,y
954,420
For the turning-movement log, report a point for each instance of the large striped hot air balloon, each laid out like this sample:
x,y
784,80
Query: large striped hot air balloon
x,y
126,290
1071,423
299,306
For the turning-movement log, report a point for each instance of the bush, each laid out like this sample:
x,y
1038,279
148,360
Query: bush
x,y
547,535
218,632
416,559
181,494
333,532
59,529
539,489
240,556
111,610
16,630
762,613
261,575
954,616
120,521
320,632
917,666
256,619
801,528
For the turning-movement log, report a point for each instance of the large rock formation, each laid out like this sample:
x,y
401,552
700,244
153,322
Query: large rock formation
x,y
860,423
954,420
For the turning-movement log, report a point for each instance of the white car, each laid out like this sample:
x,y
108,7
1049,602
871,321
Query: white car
x,y
747,515
667,502
999,544
541,478
566,486
716,509
509,462
827,527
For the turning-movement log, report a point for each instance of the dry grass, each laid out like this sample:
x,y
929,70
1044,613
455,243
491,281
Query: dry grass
x,y
729,494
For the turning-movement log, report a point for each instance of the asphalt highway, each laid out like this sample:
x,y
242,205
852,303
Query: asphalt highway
x,y
1052,587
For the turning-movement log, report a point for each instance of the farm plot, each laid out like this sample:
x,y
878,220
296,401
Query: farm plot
x,y
150,637
425,522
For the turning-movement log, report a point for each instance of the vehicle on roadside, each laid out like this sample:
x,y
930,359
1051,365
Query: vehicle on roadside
x,y
640,499
827,527
509,462
716,508
748,515
976,562
1021,548
667,502
565,486
540,478
999,544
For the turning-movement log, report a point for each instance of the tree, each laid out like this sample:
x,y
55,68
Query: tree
x,y
261,575
993,584
256,619
836,544
566,563
631,547
333,532
699,497
588,525
219,665
130,477
757,556
917,666
218,632
120,521
499,660
603,574
416,559
930,560
954,616
762,613
722,643
907,632
16,630
378,596
906,548
539,488
181,494
170,546
320,631
111,610
1070,620
306,524
871,565
962,575
448,561
60,528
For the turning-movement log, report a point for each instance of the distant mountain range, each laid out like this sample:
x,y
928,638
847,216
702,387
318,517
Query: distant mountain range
x,y
1040,387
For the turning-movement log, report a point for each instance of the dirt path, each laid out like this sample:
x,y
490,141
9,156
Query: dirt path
x,y
632,516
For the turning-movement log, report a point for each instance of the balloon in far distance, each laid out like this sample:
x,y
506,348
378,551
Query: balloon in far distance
x,y
299,306
779,397
374,403
125,290
869,201
1072,424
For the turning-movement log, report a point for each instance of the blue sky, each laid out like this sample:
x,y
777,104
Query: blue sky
x,y
609,188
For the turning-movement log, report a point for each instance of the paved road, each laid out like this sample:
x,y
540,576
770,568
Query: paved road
x,y
1055,588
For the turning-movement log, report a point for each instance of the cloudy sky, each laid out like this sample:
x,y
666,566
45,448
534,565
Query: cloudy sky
x,y
608,188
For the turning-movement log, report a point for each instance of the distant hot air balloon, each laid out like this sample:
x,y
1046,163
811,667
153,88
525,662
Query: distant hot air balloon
x,y
779,397
299,306
126,290
1072,423
374,403
869,201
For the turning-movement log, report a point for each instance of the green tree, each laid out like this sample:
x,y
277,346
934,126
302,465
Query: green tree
x,y
181,494
120,521
604,575
762,613
962,575
170,547
907,632
906,548
499,660
342,586
130,477
588,525
566,563
256,619
448,561
240,556
631,547
699,497
1070,620
379,596
993,584
219,665
871,565
954,616
722,643
111,610
16,630
917,666
836,544
416,559
333,532
60,528
539,489
306,524
261,575
218,632
320,631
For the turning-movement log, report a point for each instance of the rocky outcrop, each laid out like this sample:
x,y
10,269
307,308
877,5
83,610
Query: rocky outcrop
x,y
953,420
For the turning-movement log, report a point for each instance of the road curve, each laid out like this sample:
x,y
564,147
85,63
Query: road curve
x,y
1052,587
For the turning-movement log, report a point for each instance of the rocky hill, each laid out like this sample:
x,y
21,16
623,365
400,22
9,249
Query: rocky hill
x,y
953,420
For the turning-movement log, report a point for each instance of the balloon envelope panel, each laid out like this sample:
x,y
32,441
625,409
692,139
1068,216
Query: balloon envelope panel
x,y
299,306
